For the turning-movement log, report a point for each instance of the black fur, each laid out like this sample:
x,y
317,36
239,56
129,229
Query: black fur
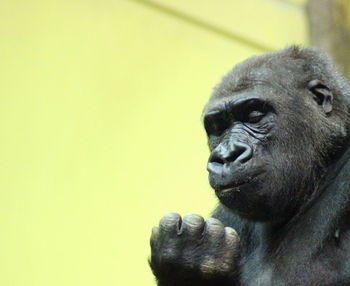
x,y
278,130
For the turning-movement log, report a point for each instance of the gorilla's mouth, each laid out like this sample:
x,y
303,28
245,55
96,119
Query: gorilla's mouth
x,y
235,189
237,185
231,189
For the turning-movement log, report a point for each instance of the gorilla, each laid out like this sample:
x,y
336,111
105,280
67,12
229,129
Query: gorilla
x,y
278,129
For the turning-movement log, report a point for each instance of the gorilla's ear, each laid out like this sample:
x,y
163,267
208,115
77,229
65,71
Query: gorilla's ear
x,y
322,95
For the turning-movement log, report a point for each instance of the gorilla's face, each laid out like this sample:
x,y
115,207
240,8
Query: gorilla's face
x,y
264,150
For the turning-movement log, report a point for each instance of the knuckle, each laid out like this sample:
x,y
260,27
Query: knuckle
x,y
231,237
214,227
169,220
214,222
193,220
231,233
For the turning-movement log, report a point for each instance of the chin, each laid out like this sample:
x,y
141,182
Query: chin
x,y
253,201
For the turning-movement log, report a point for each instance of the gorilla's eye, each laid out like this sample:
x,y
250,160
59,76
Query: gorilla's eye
x,y
252,110
255,116
215,123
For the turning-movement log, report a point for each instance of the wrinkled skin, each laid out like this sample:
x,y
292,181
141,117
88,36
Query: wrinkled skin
x,y
207,248
278,134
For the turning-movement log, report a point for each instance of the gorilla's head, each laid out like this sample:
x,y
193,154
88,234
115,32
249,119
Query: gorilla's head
x,y
275,125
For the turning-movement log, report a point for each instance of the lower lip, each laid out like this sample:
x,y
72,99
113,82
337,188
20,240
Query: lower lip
x,y
236,188
229,190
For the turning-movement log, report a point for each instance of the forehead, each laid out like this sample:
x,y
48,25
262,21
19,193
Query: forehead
x,y
268,71
263,72
271,79
261,92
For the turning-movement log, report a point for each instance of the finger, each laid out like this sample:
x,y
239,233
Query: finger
x,y
170,222
192,224
214,228
231,237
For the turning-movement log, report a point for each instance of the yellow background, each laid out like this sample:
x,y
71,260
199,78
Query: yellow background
x,y
100,105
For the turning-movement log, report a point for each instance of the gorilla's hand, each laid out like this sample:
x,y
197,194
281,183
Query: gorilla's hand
x,y
192,251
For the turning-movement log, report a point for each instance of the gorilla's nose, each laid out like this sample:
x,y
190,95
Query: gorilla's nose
x,y
237,152
224,162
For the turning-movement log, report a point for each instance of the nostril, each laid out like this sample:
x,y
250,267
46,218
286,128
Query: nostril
x,y
214,158
234,154
246,153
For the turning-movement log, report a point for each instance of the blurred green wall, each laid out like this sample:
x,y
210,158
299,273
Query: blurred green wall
x,y
100,125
